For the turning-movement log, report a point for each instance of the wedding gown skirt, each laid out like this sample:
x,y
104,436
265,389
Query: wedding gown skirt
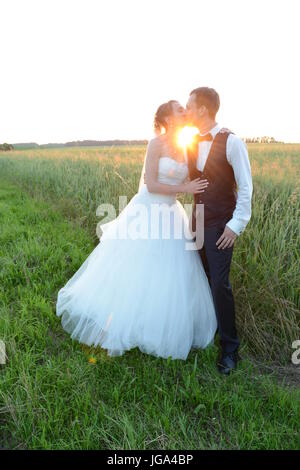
x,y
140,287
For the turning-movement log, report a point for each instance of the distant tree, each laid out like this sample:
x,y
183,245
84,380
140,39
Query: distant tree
x,y
6,147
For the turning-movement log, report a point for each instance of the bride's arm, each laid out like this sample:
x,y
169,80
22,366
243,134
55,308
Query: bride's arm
x,y
151,173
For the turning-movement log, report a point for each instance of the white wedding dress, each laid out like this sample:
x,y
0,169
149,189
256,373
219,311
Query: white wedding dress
x,y
137,291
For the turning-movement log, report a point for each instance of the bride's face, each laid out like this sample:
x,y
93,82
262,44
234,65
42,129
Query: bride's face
x,y
178,116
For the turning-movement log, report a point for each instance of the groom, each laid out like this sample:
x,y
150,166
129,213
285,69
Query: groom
x,y
222,158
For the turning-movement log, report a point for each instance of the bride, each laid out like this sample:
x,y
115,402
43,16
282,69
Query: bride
x,y
141,286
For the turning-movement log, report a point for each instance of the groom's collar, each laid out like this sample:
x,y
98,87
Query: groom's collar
x,y
213,131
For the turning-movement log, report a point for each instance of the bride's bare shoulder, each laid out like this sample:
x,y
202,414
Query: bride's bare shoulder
x,y
158,140
156,144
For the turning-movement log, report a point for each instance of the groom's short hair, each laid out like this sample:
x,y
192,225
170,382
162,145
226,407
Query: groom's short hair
x,y
207,97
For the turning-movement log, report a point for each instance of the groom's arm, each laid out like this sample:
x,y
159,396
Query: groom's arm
x,y
237,156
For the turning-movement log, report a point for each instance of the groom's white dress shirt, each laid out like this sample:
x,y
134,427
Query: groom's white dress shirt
x,y
237,157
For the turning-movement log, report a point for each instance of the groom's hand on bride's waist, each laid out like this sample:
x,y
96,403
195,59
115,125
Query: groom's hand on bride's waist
x,y
227,238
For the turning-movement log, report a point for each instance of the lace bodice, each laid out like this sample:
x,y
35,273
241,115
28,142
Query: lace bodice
x,y
171,172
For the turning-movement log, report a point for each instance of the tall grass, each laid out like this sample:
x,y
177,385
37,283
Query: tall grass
x,y
56,393
265,269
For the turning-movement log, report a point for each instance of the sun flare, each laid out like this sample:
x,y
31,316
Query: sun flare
x,y
185,135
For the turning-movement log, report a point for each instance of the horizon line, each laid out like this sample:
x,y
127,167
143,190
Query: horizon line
x,y
133,140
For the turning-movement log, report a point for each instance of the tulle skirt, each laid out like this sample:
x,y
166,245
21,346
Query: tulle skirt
x,y
142,286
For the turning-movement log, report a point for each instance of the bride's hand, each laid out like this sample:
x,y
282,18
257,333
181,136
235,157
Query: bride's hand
x,y
196,186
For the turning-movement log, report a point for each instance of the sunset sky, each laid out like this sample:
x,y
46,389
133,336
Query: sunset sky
x,y
95,69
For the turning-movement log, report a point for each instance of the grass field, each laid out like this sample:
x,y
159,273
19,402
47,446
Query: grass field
x,y
51,396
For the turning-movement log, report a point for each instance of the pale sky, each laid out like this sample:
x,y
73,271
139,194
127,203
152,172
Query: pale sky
x,y
95,69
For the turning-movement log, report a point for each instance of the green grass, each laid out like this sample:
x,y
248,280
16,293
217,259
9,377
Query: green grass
x,y
51,397
266,263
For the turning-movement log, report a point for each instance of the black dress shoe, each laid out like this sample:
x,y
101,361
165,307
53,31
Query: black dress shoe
x,y
227,362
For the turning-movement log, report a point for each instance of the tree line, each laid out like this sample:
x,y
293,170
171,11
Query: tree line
x,y
76,143
262,140
110,143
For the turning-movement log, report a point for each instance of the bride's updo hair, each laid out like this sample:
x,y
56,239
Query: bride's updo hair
x,y
163,111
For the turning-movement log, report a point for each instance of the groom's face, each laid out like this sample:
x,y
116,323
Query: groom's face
x,y
193,112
